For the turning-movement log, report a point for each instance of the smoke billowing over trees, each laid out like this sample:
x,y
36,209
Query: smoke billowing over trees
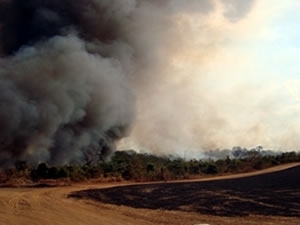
x,y
72,73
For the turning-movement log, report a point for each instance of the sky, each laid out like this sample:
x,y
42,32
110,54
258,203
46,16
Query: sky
x,y
267,54
234,82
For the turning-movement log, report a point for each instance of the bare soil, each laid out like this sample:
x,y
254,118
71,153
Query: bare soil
x,y
269,198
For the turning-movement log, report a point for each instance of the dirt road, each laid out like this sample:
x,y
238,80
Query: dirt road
x,y
45,206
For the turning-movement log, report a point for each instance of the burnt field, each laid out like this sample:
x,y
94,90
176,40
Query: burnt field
x,y
273,194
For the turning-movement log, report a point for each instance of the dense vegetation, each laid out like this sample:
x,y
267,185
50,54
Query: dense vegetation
x,y
129,165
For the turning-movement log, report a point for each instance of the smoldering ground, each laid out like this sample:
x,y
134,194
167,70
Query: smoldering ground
x,y
73,74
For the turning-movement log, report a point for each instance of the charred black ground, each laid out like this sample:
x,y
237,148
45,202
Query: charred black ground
x,y
275,194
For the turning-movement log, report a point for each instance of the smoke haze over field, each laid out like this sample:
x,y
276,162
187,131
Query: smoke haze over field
x,y
219,78
76,77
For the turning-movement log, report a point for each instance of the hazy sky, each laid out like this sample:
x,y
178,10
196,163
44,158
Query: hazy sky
x,y
262,61
235,81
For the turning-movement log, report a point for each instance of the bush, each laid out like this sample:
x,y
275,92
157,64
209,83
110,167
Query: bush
x,y
212,169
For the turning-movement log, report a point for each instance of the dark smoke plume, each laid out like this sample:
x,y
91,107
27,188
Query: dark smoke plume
x,y
64,79
71,72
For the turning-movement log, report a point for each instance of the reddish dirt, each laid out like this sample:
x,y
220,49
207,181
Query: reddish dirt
x,y
270,199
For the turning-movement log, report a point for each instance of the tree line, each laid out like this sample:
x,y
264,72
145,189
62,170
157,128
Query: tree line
x,y
130,165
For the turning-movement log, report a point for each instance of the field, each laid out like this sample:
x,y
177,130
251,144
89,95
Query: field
x,y
266,197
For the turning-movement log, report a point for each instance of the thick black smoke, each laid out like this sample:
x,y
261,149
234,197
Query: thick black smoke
x,y
64,79
70,71
28,22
